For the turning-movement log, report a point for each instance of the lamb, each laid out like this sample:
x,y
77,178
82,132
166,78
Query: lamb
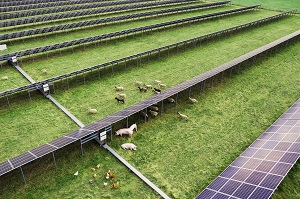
x,y
148,86
153,113
129,146
4,78
182,116
153,108
156,91
157,81
192,100
119,88
122,95
92,110
44,71
162,85
137,83
142,89
170,99
120,100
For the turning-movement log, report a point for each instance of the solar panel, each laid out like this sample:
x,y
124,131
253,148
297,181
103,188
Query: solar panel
x,y
258,171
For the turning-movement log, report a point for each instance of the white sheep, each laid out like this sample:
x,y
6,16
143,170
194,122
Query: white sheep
x,y
119,88
148,86
4,78
157,81
122,95
137,83
44,71
162,85
153,108
170,99
153,113
182,116
129,146
92,110
192,100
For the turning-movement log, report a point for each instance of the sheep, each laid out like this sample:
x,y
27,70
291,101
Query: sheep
x,y
122,95
182,116
153,108
129,146
127,131
157,81
144,115
92,110
162,85
148,86
137,83
153,113
4,78
192,100
170,99
44,71
142,89
119,88
120,100
156,91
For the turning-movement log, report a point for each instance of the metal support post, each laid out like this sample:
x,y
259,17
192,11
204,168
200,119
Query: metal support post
x,y
23,175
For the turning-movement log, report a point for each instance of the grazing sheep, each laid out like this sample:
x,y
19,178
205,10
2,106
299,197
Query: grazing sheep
x,y
120,100
192,100
4,78
148,86
142,89
92,110
153,108
157,81
156,91
122,95
162,85
137,83
129,146
153,113
182,116
170,99
119,88
44,71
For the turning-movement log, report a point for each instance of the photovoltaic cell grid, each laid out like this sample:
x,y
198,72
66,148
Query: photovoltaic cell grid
x,y
122,114
39,85
258,171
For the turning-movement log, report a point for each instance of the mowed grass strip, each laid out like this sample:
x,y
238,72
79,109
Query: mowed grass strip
x,y
33,42
29,124
185,156
68,62
172,71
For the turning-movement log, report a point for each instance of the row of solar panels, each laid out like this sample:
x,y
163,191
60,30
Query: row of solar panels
x,y
47,148
258,171
39,85
65,9
106,20
33,4
88,12
120,33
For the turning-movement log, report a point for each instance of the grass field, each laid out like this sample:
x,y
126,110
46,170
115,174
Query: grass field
x,y
181,158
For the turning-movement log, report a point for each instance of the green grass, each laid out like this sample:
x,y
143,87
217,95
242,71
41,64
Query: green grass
x,y
271,4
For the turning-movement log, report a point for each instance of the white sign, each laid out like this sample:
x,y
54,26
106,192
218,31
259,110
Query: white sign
x,y
102,133
46,87
103,138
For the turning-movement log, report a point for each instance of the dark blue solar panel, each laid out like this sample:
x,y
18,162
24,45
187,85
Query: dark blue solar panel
x,y
217,183
256,177
220,196
273,129
230,187
260,193
261,153
282,146
275,155
289,158
244,191
265,166
206,194
270,145
240,161
229,172
241,175
295,148
252,164
258,143
271,181
281,169
249,152
277,136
